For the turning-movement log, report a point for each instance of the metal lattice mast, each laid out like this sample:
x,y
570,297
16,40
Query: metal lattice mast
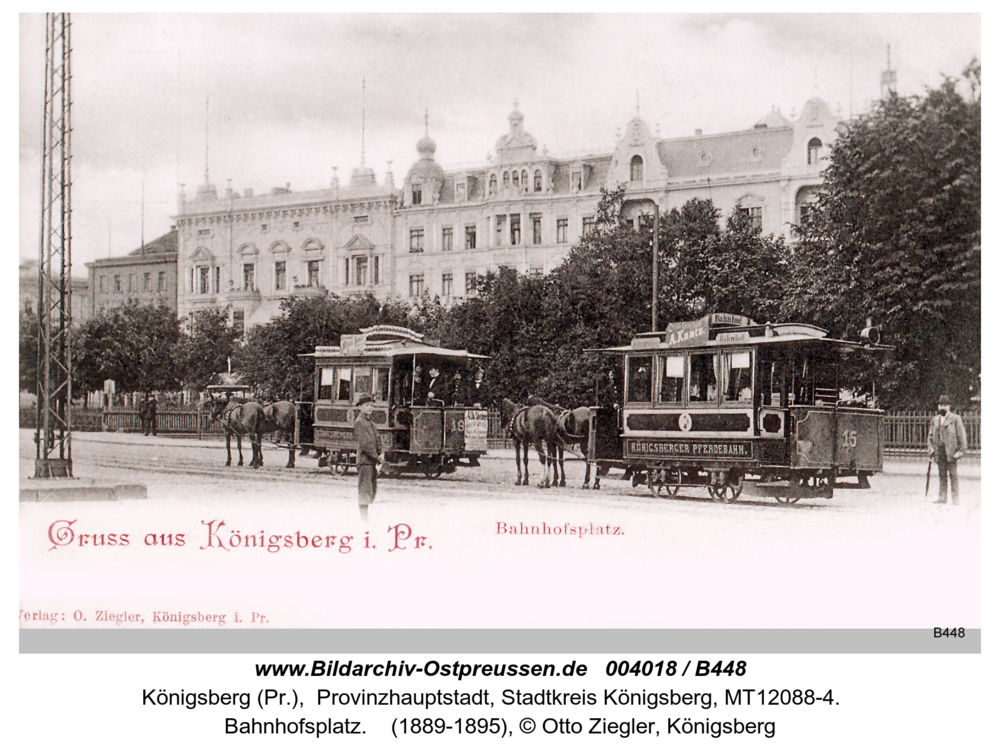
x,y
54,451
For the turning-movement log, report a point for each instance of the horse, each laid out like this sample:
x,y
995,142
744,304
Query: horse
x,y
279,418
239,418
531,425
574,429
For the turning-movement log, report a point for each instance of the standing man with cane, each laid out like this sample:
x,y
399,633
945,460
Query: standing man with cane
x,y
946,443
369,454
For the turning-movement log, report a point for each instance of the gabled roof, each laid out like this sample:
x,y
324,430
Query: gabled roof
x,y
165,244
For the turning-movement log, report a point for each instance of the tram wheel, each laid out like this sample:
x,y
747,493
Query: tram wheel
x,y
792,494
728,491
664,483
433,469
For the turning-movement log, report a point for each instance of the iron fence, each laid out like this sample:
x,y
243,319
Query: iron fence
x,y
905,431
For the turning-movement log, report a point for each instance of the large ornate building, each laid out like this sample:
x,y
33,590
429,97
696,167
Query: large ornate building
x,y
523,209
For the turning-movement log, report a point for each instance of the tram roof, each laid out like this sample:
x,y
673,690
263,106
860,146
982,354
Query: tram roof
x,y
388,341
727,330
392,350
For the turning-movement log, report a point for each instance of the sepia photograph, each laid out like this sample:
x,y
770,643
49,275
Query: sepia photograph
x,y
499,321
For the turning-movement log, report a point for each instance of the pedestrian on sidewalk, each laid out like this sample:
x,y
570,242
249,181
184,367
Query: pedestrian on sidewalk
x,y
369,454
946,444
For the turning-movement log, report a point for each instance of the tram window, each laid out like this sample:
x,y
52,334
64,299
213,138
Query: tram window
x,y
342,383
772,381
702,384
736,376
326,383
671,379
380,389
639,379
363,380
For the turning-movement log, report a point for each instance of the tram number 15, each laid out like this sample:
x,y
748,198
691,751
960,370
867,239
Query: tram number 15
x,y
850,438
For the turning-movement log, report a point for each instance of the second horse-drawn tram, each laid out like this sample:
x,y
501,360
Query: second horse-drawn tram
x,y
427,409
723,401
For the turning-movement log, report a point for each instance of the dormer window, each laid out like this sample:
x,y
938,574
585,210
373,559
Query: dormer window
x,y
416,193
538,181
576,180
517,180
814,146
635,170
493,184
524,179
459,192
506,179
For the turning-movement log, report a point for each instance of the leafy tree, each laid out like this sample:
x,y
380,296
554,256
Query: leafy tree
x,y
28,350
133,344
544,334
206,344
897,237
272,357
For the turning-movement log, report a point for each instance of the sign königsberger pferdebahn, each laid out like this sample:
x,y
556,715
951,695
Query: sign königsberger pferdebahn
x,y
722,400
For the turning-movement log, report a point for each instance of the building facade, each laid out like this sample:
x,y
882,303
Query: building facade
x,y
28,292
147,275
248,253
523,209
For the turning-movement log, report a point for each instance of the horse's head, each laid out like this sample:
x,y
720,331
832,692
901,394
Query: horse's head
x,y
215,407
507,410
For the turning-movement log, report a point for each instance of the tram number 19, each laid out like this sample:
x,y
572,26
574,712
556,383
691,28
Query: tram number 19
x,y
850,438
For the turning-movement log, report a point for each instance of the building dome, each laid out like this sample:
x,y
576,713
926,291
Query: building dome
x,y
426,147
424,170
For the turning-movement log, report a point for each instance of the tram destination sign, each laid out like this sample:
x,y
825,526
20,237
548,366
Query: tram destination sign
x,y
700,449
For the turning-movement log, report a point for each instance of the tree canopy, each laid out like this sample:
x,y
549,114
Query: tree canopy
x,y
896,237
133,344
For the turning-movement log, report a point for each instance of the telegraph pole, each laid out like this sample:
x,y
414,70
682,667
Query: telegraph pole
x,y
53,456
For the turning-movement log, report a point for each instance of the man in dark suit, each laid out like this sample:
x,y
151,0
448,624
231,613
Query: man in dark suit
x,y
370,454
946,443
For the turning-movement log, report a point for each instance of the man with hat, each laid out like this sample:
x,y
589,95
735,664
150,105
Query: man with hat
x,y
369,454
946,443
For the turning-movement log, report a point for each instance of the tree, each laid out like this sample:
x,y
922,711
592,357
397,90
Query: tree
x,y
896,236
206,345
28,350
273,358
544,335
133,344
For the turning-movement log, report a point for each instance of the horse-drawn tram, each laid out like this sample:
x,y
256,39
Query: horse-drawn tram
x,y
426,401
723,401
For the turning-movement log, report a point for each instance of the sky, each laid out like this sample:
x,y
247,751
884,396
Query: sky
x,y
269,100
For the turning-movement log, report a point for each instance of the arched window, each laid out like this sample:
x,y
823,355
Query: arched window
x,y
493,184
538,181
635,174
506,179
517,179
814,146
524,179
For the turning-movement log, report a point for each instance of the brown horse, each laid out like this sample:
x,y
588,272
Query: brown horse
x,y
574,429
239,418
531,425
279,418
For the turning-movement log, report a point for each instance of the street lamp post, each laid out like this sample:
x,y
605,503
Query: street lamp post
x,y
656,261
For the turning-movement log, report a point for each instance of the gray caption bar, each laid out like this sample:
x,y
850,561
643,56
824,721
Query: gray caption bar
x,y
555,641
